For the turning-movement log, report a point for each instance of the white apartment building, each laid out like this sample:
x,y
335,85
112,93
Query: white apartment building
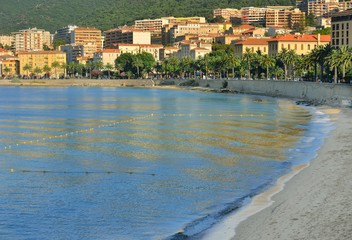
x,y
30,39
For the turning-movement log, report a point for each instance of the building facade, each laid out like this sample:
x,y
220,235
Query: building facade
x,y
253,44
73,51
300,43
30,39
126,35
5,40
9,66
64,33
107,56
90,38
40,59
341,29
229,14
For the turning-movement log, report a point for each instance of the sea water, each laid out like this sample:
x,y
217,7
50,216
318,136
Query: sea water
x,y
120,163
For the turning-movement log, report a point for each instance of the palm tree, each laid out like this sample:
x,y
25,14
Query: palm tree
x,y
55,65
7,70
27,68
47,70
37,71
345,54
234,62
268,62
89,65
334,62
248,57
137,63
109,67
287,58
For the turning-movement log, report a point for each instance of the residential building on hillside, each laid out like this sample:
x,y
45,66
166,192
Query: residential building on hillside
x,y
126,35
30,39
6,40
9,65
40,59
64,33
318,7
153,26
300,43
284,18
107,56
167,52
253,44
170,34
227,39
139,48
90,38
341,29
253,15
229,14
194,50
345,4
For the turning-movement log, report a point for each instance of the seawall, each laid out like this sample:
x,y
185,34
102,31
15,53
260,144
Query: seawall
x,y
318,93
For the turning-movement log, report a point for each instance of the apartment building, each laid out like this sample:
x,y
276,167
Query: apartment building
x,y
107,56
90,38
345,4
139,48
126,35
40,59
153,26
192,49
227,39
341,29
170,34
284,18
5,40
9,65
167,52
253,15
300,43
73,51
253,44
64,33
323,7
229,14
30,39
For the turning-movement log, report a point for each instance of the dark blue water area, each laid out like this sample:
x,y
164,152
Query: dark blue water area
x,y
106,163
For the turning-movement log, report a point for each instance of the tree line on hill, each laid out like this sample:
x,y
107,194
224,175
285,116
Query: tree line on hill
x,y
105,14
323,63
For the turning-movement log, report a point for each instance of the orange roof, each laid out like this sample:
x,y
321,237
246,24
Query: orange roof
x,y
301,38
254,41
42,52
110,50
3,50
246,26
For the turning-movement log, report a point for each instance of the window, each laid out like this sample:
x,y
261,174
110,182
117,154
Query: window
x,y
295,46
289,46
301,46
308,46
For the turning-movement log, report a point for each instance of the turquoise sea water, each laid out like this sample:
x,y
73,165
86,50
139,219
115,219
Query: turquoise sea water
x,y
106,163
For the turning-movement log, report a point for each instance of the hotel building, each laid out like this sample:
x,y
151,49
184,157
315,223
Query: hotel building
x,y
64,33
90,38
126,35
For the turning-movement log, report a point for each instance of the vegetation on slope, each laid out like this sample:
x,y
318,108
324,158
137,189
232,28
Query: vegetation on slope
x,y
105,14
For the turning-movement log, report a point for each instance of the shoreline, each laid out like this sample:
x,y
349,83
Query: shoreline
x,y
311,202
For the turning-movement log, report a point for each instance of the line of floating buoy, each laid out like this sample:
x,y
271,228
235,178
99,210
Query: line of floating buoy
x,y
111,124
79,172
64,135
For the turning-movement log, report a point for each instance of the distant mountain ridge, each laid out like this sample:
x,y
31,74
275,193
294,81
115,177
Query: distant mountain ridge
x,y
106,14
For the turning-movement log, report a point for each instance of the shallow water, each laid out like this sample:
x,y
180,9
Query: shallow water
x,y
106,163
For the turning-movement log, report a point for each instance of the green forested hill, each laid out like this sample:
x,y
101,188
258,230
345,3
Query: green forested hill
x,y
105,14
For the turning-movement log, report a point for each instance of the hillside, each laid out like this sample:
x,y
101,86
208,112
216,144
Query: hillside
x,y
105,14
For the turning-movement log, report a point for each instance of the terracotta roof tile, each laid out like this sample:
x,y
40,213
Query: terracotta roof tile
x,y
301,38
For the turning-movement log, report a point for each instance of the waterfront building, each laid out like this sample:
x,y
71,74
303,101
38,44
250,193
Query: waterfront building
x,y
9,65
40,59
64,33
253,44
126,35
89,37
341,29
167,52
30,39
300,43
5,40
107,56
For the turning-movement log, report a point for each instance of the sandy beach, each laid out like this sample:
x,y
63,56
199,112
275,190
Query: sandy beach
x,y
315,203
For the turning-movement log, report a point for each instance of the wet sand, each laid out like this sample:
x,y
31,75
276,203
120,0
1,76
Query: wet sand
x,y
315,203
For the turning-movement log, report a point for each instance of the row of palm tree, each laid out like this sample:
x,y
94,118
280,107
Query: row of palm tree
x,y
287,65
70,69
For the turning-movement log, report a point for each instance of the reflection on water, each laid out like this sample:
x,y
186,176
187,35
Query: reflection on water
x,y
162,158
